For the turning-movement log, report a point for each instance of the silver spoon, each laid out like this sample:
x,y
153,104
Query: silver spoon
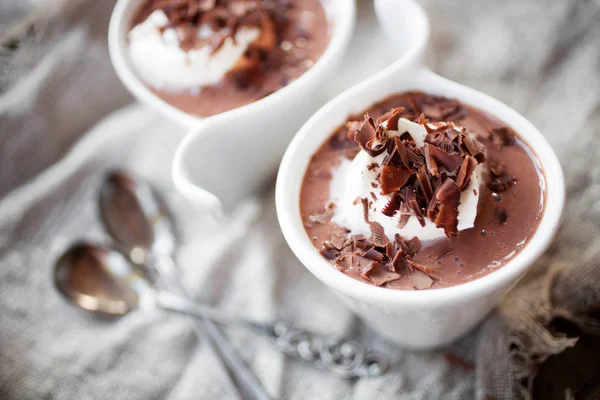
x,y
138,221
121,287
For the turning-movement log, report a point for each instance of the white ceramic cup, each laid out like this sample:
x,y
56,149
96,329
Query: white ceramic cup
x,y
425,318
226,156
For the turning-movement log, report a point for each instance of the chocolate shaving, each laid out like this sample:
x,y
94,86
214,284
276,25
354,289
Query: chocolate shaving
x,y
403,220
360,242
393,178
365,205
474,147
448,198
401,243
444,141
329,254
390,250
420,280
391,118
358,237
415,158
338,242
422,119
425,184
430,162
410,198
379,275
344,259
399,261
362,265
378,236
449,161
466,170
425,269
402,151
366,137
374,255
414,246
392,206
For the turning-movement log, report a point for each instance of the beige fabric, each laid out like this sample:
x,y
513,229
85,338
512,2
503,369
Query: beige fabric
x,y
59,83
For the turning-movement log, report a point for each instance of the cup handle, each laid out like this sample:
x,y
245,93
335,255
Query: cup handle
x,y
221,162
406,28
201,198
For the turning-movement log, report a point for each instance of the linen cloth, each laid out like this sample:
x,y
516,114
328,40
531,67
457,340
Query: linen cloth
x,y
57,82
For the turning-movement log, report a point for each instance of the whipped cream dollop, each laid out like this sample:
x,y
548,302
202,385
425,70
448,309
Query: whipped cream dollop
x,y
156,54
358,179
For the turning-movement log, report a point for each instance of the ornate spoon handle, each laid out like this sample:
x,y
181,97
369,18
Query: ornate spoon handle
x,y
343,358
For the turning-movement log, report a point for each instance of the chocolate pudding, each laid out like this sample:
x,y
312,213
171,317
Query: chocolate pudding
x,y
210,56
421,191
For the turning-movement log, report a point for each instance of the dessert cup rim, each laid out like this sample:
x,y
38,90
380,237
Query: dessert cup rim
x,y
341,33
296,159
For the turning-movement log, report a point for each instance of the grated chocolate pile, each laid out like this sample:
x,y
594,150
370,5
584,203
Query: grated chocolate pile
x,y
225,17
423,182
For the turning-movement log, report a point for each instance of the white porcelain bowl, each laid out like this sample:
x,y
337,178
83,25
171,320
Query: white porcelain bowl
x,y
427,318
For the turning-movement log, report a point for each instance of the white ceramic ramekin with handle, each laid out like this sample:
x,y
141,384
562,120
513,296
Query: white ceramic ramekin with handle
x,y
427,318
225,156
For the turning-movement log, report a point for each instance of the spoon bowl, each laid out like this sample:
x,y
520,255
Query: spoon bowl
x,y
428,318
84,275
135,216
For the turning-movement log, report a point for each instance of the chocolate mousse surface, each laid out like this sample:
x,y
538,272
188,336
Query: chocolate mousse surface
x,y
294,34
511,198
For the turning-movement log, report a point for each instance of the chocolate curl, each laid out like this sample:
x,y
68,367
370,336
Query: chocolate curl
x,y
391,118
366,136
464,174
425,184
448,198
402,151
392,206
430,161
